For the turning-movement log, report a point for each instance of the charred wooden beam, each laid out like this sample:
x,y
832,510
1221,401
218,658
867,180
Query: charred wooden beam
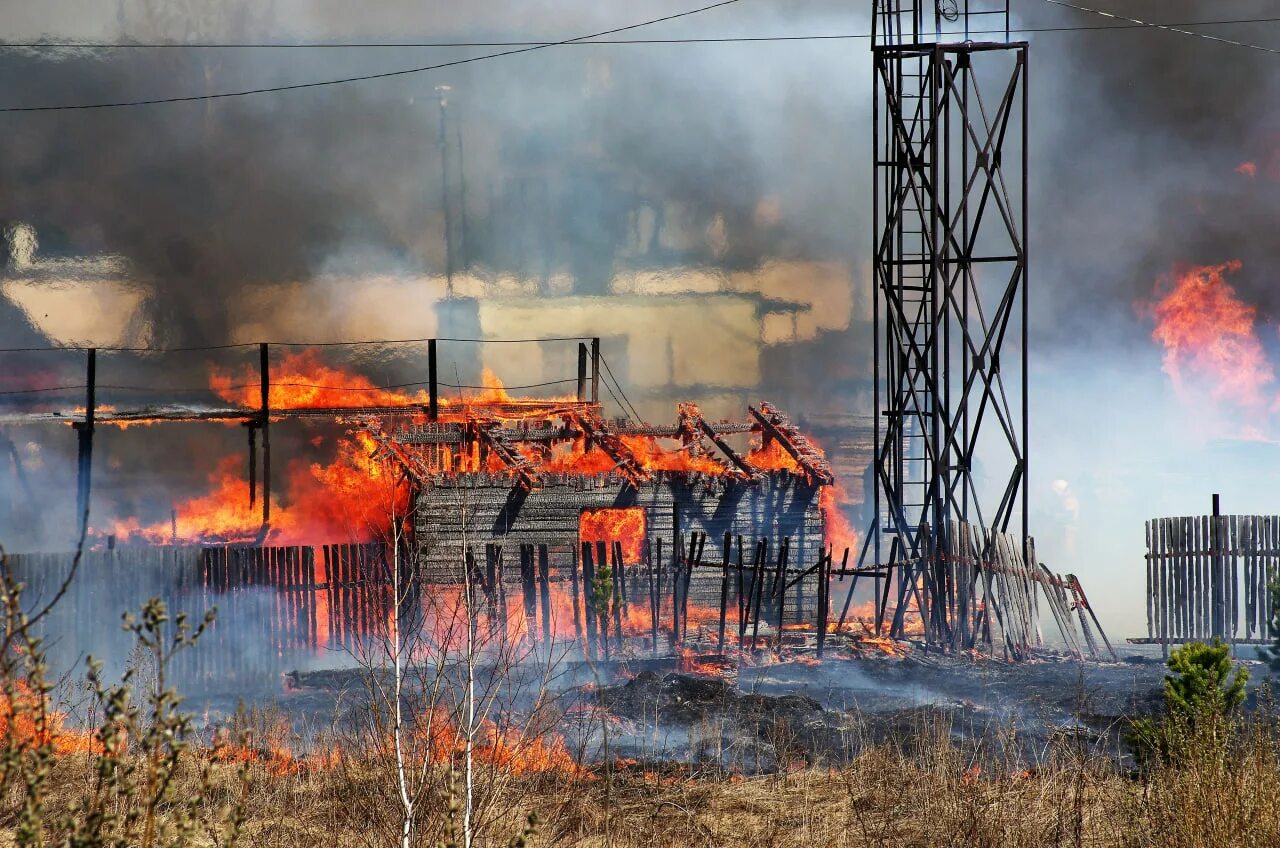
x,y
526,472
692,422
613,446
778,426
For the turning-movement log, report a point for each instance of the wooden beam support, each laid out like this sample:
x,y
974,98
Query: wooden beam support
x,y
777,426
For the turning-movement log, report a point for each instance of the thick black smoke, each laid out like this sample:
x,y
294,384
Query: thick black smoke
x,y
560,151
1137,137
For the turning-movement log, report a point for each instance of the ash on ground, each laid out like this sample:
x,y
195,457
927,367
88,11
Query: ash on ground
x,y
778,716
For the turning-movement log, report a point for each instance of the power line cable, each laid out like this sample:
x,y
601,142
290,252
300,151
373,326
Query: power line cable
x,y
356,343
363,77
586,41
165,389
609,371
1178,28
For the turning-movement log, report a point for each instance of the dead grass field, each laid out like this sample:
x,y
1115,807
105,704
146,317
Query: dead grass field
x,y
932,795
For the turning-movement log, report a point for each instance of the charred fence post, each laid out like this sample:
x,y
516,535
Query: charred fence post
x,y
757,589
621,571
780,584
824,597
677,557
724,587
741,596
491,579
588,595
696,547
500,587
618,577
529,592
653,596
577,619
544,586
582,372
656,601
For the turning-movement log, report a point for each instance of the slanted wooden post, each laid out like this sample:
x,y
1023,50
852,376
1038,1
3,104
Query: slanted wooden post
x,y
757,588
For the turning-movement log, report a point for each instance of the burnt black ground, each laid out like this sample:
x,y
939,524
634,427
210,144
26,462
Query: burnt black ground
x,y
759,718
826,713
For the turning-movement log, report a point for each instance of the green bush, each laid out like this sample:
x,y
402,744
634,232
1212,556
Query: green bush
x,y
1201,697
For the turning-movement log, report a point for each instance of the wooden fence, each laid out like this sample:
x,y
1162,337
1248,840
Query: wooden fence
x,y
277,607
981,590
1205,573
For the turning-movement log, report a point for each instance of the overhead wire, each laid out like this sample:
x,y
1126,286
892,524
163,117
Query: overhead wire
x,y
609,371
582,42
585,40
289,385
1178,28
362,77
353,343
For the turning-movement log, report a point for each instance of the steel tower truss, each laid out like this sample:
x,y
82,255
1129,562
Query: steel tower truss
x,y
950,269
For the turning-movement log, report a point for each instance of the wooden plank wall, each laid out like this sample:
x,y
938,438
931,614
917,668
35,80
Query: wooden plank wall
x,y
983,591
1205,573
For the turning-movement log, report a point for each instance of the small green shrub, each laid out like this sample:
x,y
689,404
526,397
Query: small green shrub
x,y
1201,698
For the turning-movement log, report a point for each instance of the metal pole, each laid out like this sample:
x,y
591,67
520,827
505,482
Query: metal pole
x,y
1026,266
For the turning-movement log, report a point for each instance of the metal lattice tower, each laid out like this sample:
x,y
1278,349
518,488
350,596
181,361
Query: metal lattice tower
x,y
950,267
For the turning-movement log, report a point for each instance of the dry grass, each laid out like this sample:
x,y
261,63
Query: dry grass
x,y
932,795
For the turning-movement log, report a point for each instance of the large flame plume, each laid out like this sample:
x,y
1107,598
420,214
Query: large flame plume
x,y
1210,338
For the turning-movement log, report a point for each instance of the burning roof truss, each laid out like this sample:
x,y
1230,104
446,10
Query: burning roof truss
x,y
525,444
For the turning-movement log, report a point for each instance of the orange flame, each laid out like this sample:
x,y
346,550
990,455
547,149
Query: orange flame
x,y
20,725
1208,334
350,498
840,535
772,456
625,525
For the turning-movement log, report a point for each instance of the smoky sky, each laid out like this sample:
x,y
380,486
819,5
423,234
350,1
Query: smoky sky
x,y
551,157
1136,139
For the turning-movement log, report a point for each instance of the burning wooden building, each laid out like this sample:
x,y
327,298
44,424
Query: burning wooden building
x,y
558,474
